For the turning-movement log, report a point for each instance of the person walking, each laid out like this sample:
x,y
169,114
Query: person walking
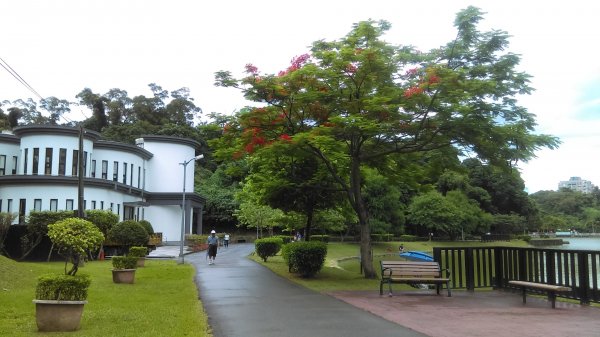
x,y
226,240
213,244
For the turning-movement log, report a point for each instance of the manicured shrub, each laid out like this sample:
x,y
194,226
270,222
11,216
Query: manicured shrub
x,y
382,237
62,287
320,238
138,251
285,238
147,226
305,258
408,238
267,247
129,233
195,239
124,262
74,237
103,219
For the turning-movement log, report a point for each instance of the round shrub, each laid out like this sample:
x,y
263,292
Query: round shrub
x,y
129,233
62,287
305,258
285,238
124,262
138,251
74,237
103,219
147,226
267,247
320,238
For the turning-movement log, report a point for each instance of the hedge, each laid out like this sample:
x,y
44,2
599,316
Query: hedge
x,y
305,257
267,247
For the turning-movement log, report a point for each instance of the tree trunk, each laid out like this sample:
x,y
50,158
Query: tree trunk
x,y
366,254
309,221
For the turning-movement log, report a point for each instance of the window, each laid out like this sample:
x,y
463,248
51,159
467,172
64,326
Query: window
x,y
69,205
116,171
15,162
2,165
139,175
124,173
93,172
48,161
131,177
111,206
37,204
36,160
22,208
74,168
0,205
84,163
9,206
101,204
105,169
62,161
93,204
54,205
25,161
119,209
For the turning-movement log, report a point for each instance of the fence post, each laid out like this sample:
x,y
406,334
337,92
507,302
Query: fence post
x,y
522,255
498,268
584,277
469,269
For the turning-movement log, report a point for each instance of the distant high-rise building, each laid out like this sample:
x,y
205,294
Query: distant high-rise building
x,y
577,184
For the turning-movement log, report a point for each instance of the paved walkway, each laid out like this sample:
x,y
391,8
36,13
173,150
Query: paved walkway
x,y
243,298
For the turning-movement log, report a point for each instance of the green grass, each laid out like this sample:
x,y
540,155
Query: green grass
x,y
163,301
341,270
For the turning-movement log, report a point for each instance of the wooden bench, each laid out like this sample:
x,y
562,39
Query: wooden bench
x,y
412,272
549,288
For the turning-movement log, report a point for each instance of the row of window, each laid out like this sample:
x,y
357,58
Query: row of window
x,y
128,211
128,169
37,205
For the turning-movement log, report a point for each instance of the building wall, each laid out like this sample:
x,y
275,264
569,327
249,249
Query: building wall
x,y
155,164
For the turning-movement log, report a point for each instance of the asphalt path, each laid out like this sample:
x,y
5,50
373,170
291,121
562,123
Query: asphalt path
x,y
243,298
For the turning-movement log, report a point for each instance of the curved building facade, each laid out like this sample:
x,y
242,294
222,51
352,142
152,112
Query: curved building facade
x,y
39,170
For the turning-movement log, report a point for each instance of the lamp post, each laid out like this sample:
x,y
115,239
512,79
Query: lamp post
x,y
185,163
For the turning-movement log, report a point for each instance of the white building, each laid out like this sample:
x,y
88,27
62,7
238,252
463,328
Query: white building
x,y
39,171
577,184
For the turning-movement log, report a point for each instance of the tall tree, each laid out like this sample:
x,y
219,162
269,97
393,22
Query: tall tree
x,y
360,101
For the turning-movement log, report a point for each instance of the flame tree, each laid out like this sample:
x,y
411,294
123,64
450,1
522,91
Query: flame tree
x,y
361,102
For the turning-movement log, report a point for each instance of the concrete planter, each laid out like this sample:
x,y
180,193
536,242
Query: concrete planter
x,y
141,262
123,275
58,315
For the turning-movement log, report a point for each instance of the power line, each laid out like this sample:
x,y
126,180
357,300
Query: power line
x,y
18,77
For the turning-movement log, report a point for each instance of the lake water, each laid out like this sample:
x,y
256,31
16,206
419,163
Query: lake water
x,y
580,244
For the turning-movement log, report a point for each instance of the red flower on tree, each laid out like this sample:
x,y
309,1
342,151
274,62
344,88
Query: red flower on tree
x,y
285,137
251,69
412,91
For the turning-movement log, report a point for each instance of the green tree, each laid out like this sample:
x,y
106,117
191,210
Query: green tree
x,y
74,237
361,101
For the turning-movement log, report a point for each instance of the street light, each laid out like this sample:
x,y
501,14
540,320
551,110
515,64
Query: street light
x,y
185,163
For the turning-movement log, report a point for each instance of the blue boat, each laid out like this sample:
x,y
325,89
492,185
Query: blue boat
x,y
417,256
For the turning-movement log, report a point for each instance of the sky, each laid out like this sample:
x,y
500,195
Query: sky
x,y
61,47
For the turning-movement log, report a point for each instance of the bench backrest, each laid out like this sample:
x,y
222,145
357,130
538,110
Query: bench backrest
x,y
410,269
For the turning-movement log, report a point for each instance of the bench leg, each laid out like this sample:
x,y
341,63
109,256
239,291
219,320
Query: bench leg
x,y
524,295
381,288
448,287
552,298
390,288
437,288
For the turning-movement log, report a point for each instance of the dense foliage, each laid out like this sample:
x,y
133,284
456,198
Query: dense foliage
x,y
62,287
305,258
129,233
74,238
267,247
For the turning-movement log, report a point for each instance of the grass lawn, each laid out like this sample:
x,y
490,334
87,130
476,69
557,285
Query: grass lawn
x,y
341,270
163,301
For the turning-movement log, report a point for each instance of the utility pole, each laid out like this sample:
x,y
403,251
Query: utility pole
x,y
80,174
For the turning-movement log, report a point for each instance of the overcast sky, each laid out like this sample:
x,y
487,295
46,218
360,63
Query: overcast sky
x,y
62,47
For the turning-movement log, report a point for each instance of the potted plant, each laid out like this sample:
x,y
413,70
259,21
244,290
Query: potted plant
x,y
124,269
60,298
140,252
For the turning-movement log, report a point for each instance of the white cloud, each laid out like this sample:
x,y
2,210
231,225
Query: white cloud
x,y
63,46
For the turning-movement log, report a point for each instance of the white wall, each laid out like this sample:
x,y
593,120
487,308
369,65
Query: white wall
x,y
165,219
166,173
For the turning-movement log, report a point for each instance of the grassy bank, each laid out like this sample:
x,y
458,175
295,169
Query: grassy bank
x,y
162,302
342,266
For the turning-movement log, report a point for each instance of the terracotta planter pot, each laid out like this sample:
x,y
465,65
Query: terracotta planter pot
x,y
123,275
141,262
58,315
